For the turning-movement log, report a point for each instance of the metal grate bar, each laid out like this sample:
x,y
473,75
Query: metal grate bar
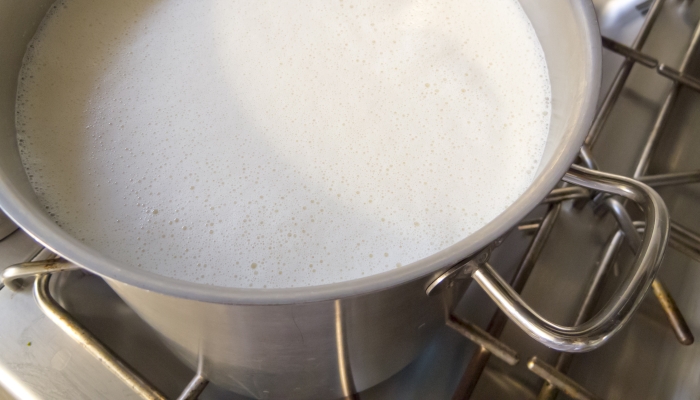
x,y
665,112
622,75
673,178
679,77
549,391
682,239
81,335
476,365
561,381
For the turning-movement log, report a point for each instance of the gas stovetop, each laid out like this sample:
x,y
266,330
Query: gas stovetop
x,y
646,129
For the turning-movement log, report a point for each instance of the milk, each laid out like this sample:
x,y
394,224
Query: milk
x,y
276,143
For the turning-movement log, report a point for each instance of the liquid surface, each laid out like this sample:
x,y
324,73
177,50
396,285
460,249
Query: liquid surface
x,y
280,143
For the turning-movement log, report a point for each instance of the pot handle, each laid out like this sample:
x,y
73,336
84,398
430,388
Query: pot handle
x,y
596,331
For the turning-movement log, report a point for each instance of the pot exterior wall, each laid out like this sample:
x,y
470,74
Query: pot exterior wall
x,y
326,349
299,350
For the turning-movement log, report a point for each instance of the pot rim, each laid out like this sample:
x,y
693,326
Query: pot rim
x,y
43,230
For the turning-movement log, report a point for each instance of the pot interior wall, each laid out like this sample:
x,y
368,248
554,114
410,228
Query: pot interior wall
x,y
560,26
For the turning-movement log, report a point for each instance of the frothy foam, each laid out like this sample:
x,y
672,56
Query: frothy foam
x,y
280,143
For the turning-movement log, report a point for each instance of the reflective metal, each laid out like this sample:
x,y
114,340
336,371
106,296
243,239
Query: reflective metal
x,y
6,226
559,380
593,333
566,193
81,335
673,178
627,368
638,56
650,62
622,75
284,342
481,356
483,339
196,386
665,113
673,314
548,390
13,275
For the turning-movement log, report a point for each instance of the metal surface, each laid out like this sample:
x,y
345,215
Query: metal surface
x,y
677,321
481,356
599,329
675,75
194,388
643,362
13,276
549,391
622,74
673,178
81,335
42,272
562,382
55,366
257,341
673,314
306,350
664,114
569,36
6,226
483,339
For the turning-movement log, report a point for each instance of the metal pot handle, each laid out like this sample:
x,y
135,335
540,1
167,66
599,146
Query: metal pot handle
x,y
596,331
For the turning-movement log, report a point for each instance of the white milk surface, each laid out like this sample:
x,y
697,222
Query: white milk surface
x,y
280,143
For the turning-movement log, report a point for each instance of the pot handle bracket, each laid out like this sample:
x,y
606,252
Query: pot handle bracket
x,y
41,268
618,310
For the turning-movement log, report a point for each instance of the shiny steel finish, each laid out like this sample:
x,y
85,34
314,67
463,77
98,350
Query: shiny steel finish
x,y
622,75
681,239
562,382
616,313
110,360
670,179
673,314
306,350
194,388
483,339
320,341
481,356
675,318
549,391
6,226
673,178
644,361
13,275
566,193
569,35
675,75
327,340
665,113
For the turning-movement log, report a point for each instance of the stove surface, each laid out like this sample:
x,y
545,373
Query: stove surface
x,y
644,361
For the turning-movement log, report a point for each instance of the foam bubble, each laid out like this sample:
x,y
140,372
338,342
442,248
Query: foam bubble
x,y
280,143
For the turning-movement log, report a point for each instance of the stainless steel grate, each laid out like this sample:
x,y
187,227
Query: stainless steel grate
x,y
682,238
626,231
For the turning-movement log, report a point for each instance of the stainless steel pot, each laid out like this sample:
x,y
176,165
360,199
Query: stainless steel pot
x,y
329,341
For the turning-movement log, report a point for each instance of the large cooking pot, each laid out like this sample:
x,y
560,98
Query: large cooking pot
x,y
328,341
